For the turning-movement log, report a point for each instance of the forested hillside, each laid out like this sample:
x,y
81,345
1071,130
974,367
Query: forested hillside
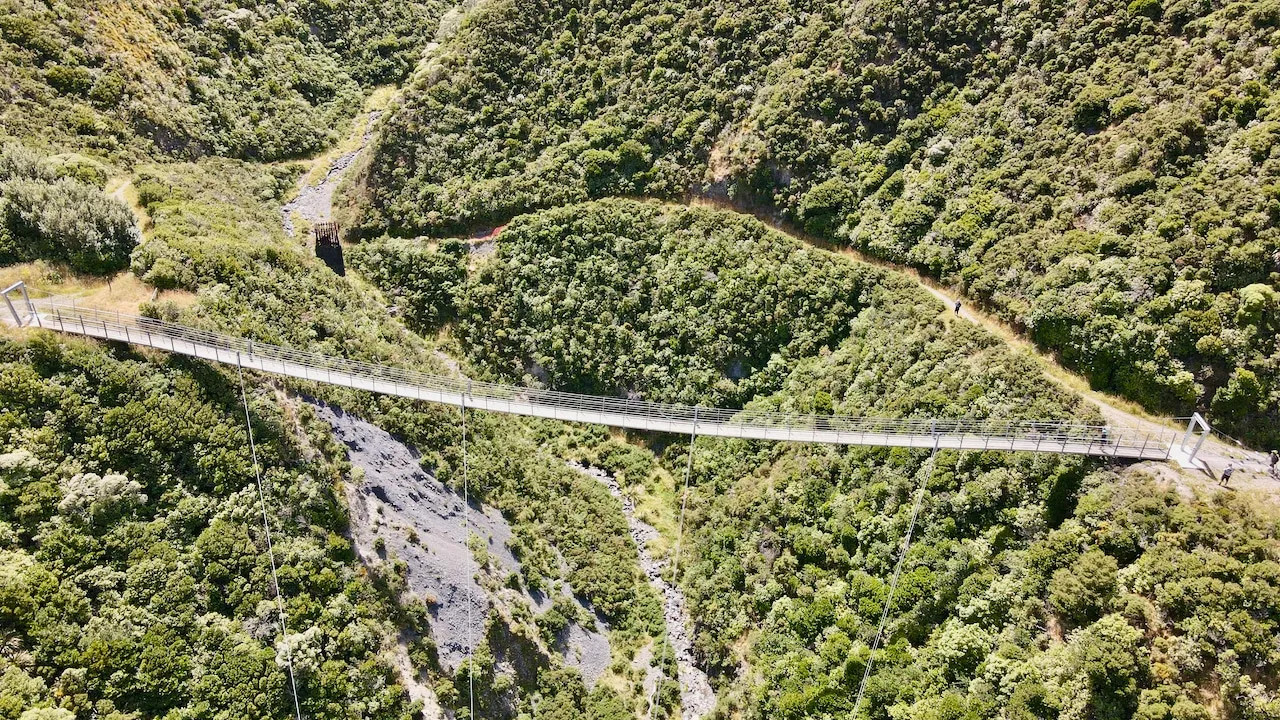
x,y
112,459
1043,586
670,304
264,80
1037,587
1101,175
132,582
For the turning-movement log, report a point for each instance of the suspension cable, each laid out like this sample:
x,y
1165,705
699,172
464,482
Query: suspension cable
x,y
675,562
271,553
893,583
466,540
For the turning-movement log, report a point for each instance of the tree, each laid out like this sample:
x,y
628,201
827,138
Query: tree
x,y
100,497
1084,591
1110,657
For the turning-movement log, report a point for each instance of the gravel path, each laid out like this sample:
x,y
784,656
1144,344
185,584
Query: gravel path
x,y
315,202
697,699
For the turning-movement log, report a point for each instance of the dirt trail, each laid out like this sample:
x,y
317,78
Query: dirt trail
x,y
697,699
1215,454
121,188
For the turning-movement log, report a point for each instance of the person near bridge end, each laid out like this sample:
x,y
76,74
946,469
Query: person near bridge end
x,y
1226,475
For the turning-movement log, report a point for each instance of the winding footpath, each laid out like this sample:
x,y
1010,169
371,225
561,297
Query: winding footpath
x,y
1215,454
314,203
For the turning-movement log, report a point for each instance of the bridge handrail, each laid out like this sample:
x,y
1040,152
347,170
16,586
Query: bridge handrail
x,y
1048,432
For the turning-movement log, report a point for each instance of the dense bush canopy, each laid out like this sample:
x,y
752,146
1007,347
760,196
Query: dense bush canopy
x,y
665,303
133,573
49,212
1015,601
1101,175
262,80
424,283
1036,586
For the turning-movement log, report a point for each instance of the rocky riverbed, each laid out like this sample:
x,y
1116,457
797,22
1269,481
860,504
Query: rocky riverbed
x,y
314,203
422,521
697,699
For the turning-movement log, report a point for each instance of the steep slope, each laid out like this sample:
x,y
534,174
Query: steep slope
x,y
215,234
132,579
225,243
1036,587
265,80
1100,175
134,574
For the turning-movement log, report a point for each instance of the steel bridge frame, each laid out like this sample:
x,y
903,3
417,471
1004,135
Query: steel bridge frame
x,y
748,423
21,287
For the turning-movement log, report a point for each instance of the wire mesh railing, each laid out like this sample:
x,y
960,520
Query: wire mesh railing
x,y
974,433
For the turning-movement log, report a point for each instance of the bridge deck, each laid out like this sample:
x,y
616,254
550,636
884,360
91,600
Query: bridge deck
x,y
963,434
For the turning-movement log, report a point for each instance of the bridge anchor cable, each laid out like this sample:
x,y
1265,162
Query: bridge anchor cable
x,y
897,572
466,540
271,553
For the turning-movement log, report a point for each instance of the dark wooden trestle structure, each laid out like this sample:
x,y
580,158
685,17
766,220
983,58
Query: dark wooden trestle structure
x,y
329,247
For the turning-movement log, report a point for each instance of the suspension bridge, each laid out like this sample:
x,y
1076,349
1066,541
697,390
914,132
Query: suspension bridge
x,y
958,434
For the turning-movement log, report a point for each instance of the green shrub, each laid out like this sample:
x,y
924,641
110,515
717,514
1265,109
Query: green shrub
x,y
107,90
822,209
1084,592
60,219
1145,8
1134,182
1126,105
74,80
424,283
1091,107
151,193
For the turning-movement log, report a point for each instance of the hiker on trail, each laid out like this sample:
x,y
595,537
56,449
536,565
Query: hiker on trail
x,y
1275,458
1226,475
957,307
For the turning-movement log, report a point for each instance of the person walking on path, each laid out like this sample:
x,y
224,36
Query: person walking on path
x,y
1226,475
957,307
1275,458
